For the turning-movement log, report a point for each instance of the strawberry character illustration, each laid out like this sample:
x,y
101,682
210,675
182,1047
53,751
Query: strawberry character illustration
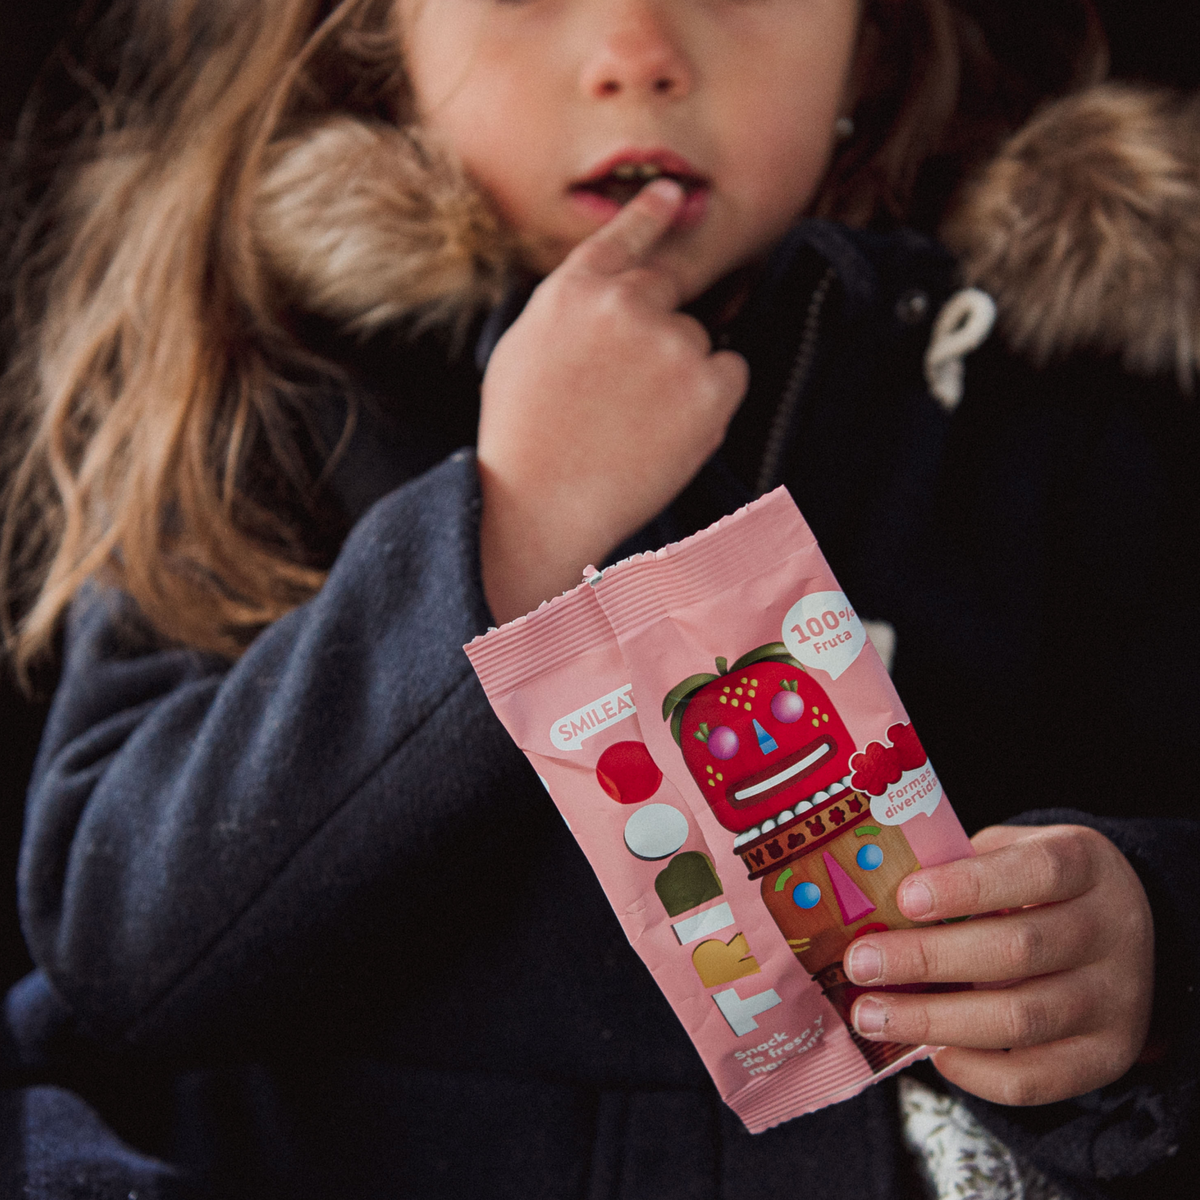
x,y
759,738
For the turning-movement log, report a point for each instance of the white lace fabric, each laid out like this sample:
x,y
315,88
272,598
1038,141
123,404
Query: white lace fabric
x,y
957,1158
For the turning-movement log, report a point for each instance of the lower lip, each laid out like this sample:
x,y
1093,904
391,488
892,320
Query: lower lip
x,y
691,212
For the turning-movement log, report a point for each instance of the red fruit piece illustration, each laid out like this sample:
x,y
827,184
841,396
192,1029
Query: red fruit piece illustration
x,y
628,773
758,737
909,752
879,766
875,769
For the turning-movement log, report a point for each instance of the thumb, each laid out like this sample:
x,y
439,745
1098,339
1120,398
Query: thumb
x,y
624,242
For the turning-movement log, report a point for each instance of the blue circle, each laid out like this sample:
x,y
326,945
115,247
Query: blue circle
x,y
806,895
869,857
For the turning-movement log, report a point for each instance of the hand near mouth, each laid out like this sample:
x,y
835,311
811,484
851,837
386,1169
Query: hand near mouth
x,y
599,405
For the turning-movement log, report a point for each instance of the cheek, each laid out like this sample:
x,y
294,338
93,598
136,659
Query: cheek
x,y
783,170
792,110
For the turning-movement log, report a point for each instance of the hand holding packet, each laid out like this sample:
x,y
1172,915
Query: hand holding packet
x,y
728,750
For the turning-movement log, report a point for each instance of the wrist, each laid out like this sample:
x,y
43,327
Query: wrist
x,y
532,548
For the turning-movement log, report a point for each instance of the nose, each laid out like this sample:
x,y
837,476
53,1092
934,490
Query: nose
x,y
637,53
766,743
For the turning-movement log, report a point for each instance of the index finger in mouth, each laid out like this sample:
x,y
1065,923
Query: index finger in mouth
x,y
625,240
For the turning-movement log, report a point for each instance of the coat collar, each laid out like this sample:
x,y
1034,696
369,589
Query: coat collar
x,y
1085,228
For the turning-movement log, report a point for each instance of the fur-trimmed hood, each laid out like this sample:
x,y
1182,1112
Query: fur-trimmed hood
x,y
1085,229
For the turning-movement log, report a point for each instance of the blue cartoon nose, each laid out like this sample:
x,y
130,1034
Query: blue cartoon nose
x,y
766,743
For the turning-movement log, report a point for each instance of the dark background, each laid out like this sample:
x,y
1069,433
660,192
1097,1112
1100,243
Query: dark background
x,y
1156,40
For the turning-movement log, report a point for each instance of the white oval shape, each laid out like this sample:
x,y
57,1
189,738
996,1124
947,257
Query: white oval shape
x,y
655,832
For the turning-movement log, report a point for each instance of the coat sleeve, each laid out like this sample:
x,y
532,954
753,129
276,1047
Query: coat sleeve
x,y
200,836
1138,1135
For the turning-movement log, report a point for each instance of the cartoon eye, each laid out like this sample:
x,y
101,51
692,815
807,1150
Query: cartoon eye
x,y
806,895
869,857
722,743
787,707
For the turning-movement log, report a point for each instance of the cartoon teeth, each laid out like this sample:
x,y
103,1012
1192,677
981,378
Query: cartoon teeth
x,y
787,815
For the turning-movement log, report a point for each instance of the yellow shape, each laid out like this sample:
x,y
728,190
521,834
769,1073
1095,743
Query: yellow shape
x,y
718,962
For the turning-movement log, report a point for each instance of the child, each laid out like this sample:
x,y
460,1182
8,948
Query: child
x,y
305,923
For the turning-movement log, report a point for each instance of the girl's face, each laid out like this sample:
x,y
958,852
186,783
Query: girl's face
x,y
560,109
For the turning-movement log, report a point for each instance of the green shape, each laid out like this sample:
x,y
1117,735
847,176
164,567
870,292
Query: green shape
x,y
676,701
772,652
954,920
868,831
781,882
688,880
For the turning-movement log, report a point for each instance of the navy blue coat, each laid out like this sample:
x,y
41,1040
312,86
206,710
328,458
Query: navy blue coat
x,y
308,926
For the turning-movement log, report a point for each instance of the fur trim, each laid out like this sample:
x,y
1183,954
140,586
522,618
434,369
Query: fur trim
x,y
370,225
1086,230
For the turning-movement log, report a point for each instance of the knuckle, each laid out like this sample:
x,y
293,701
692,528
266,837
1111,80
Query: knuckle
x,y
1068,857
1028,1021
1025,950
1050,867
909,1024
923,960
970,891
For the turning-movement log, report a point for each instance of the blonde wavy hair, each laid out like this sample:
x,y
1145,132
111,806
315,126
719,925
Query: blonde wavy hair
x,y
154,403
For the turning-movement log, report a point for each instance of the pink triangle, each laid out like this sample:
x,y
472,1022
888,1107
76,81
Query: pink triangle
x,y
851,900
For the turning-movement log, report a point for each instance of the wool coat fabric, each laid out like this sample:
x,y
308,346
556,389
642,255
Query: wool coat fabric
x,y
308,926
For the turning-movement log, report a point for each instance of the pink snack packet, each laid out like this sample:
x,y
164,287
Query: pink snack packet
x,y
748,821
558,682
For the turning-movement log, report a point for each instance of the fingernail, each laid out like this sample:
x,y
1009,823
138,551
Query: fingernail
x,y
870,1016
916,900
864,963
668,189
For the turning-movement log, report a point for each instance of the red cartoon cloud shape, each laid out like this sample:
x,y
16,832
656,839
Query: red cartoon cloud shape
x,y
879,766
909,752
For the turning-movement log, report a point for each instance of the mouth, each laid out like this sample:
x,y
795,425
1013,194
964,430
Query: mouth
x,y
782,775
781,819
619,179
